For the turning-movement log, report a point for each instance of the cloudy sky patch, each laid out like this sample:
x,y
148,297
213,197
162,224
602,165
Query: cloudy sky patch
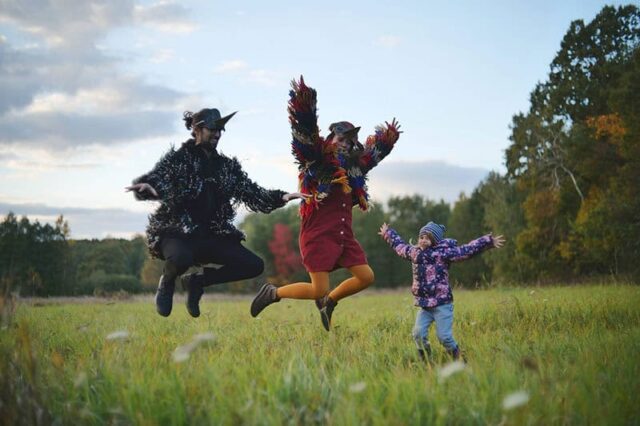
x,y
92,92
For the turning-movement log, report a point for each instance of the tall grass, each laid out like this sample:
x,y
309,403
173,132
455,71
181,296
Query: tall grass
x,y
572,350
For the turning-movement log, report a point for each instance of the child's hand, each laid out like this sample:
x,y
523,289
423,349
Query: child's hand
x,y
498,241
383,229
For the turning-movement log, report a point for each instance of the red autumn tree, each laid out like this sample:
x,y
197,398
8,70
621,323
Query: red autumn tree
x,y
286,259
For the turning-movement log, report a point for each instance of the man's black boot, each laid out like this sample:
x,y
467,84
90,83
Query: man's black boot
x,y
164,295
193,285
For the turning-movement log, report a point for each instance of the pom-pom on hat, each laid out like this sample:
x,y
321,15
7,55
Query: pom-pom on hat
x,y
436,231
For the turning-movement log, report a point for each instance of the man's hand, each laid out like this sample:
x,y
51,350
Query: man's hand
x,y
293,195
383,229
141,187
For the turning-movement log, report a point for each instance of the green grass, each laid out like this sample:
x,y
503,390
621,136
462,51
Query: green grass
x,y
574,350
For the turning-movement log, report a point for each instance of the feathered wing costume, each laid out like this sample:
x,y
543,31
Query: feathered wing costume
x,y
320,164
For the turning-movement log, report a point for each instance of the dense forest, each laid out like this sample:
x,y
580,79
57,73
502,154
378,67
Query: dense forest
x,y
569,202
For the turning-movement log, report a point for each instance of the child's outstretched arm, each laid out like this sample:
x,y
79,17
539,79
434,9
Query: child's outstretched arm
x,y
379,145
402,249
465,251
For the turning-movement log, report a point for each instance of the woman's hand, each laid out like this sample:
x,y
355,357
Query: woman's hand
x,y
383,229
395,124
293,195
498,241
141,187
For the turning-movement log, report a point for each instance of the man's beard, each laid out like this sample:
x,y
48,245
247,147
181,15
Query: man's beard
x,y
210,144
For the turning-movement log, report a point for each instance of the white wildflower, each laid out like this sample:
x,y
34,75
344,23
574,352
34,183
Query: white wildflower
x,y
182,353
515,400
118,335
203,338
80,379
451,369
357,387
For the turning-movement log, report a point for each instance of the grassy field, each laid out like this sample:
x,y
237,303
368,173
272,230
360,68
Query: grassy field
x,y
572,353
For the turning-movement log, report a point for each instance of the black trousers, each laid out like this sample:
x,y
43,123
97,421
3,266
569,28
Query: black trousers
x,y
238,262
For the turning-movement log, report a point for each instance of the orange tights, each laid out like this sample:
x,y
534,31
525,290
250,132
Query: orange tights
x,y
362,278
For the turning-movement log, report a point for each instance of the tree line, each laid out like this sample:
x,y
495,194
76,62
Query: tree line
x,y
569,202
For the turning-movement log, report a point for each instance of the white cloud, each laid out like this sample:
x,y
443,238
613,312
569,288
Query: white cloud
x,y
165,16
71,92
264,77
162,56
36,160
231,66
84,100
70,23
388,41
83,222
433,179
241,69
60,130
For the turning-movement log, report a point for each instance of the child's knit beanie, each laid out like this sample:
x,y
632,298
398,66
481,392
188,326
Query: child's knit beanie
x,y
436,230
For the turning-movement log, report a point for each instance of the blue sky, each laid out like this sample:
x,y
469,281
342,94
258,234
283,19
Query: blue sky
x,y
93,92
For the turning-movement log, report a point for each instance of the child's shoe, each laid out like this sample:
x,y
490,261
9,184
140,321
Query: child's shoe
x,y
425,353
458,355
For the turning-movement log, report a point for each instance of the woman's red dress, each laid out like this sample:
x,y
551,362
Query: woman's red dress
x,y
326,237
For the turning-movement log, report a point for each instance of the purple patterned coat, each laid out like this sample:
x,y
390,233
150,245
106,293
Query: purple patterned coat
x,y
431,266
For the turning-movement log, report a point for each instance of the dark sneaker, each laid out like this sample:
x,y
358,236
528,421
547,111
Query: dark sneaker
x,y
164,296
266,296
458,355
321,302
192,284
326,312
425,353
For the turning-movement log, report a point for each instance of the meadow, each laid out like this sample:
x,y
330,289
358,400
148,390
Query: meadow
x,y
542,356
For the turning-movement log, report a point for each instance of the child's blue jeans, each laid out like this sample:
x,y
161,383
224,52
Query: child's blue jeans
x,y
443,317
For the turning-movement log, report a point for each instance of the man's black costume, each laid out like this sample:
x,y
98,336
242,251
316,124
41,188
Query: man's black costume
x,y
199,190
199,195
